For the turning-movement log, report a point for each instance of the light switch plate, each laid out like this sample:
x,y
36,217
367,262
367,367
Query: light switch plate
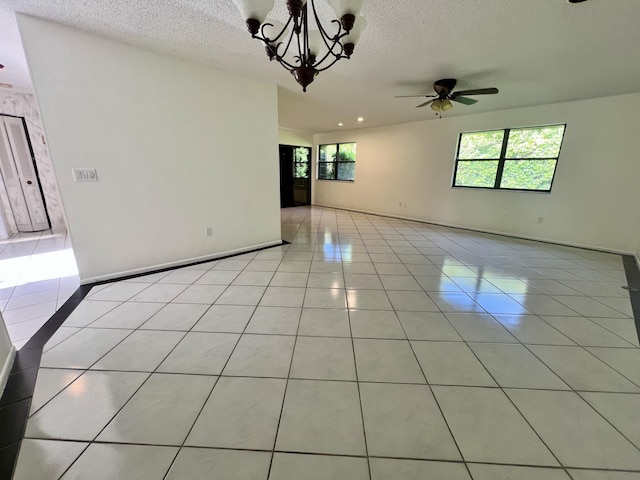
x,y
85,174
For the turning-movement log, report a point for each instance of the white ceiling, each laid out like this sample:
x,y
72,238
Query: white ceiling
x,y
535,52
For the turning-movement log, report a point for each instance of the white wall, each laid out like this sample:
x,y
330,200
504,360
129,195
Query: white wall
x,y
24,105
7,354
595,196
298,138
178,146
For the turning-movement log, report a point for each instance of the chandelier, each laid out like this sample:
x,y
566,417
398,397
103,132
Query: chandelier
x,y
303,45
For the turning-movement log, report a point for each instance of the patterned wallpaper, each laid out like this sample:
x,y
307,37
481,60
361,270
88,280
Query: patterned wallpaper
x,y
24,105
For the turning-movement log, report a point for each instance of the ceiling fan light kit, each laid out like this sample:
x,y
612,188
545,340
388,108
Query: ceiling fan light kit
x,y
303,45
444,95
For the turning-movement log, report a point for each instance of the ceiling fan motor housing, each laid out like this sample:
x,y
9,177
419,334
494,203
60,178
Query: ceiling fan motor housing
x,y
445,86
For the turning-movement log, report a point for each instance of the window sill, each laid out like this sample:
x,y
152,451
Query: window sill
x,y
499,189
333,180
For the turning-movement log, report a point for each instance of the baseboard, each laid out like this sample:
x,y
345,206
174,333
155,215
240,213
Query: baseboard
x,y
6,368
481,230
177,263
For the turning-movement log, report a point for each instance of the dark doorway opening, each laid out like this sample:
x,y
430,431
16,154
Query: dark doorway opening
x,y
295,173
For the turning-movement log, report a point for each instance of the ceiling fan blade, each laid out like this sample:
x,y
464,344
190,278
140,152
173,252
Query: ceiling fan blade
x,y
408,96
477,91
426,103
464,100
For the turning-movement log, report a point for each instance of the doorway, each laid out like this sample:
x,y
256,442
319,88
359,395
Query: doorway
x,y
295,181
19,176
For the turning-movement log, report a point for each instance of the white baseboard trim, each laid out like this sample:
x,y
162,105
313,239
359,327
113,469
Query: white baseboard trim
x,y
494,232
178,263
6,368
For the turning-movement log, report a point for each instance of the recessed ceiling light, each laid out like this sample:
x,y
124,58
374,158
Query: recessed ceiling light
x,y
360,119
341,124
6,85
577,1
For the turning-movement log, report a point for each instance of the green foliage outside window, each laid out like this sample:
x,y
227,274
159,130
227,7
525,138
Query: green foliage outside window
x,y
337,161
481,145
301,162
515,159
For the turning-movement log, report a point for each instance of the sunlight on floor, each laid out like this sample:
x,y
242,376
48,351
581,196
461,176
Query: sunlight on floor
x,y
34,268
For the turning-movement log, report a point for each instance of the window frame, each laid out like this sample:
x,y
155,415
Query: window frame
x,y
336,162
502,159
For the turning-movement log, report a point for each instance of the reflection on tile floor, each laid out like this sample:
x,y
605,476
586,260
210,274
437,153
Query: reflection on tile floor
x,y
38,274
368,348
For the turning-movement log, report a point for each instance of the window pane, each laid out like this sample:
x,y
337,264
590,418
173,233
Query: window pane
x,y
541,142
347,152
480,145
301,162
476,174
301,154
300,170
326,171
328,153
528,174
346,171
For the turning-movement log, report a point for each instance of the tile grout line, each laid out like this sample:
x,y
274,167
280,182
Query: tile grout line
x,y
352,344
83,290
197,417
355,368
577,393
318,454
286,387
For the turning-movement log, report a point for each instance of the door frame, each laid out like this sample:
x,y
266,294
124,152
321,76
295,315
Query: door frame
x,y
309,171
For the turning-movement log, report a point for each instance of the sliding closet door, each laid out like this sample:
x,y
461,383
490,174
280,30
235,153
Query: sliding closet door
x,y
20,178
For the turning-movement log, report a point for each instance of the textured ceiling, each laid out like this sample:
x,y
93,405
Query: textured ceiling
x,y
535,52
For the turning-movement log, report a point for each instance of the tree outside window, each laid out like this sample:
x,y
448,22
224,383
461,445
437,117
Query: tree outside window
x,y
509,159
337,161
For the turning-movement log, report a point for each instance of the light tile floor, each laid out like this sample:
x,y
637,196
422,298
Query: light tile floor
x,y
368,348
38,274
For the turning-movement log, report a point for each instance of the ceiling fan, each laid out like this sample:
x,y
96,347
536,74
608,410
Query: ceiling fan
x,y
442,100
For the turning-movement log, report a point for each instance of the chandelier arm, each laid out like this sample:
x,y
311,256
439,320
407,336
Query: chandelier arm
x,y
326,38
268,40
335,40
335,59
285,63
323,32
299,29
280,57
336,56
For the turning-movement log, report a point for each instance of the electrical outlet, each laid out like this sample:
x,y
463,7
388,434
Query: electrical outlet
x,y
208,231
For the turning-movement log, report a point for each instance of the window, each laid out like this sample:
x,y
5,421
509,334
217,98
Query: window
x,y
301,162
337,161
509,159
